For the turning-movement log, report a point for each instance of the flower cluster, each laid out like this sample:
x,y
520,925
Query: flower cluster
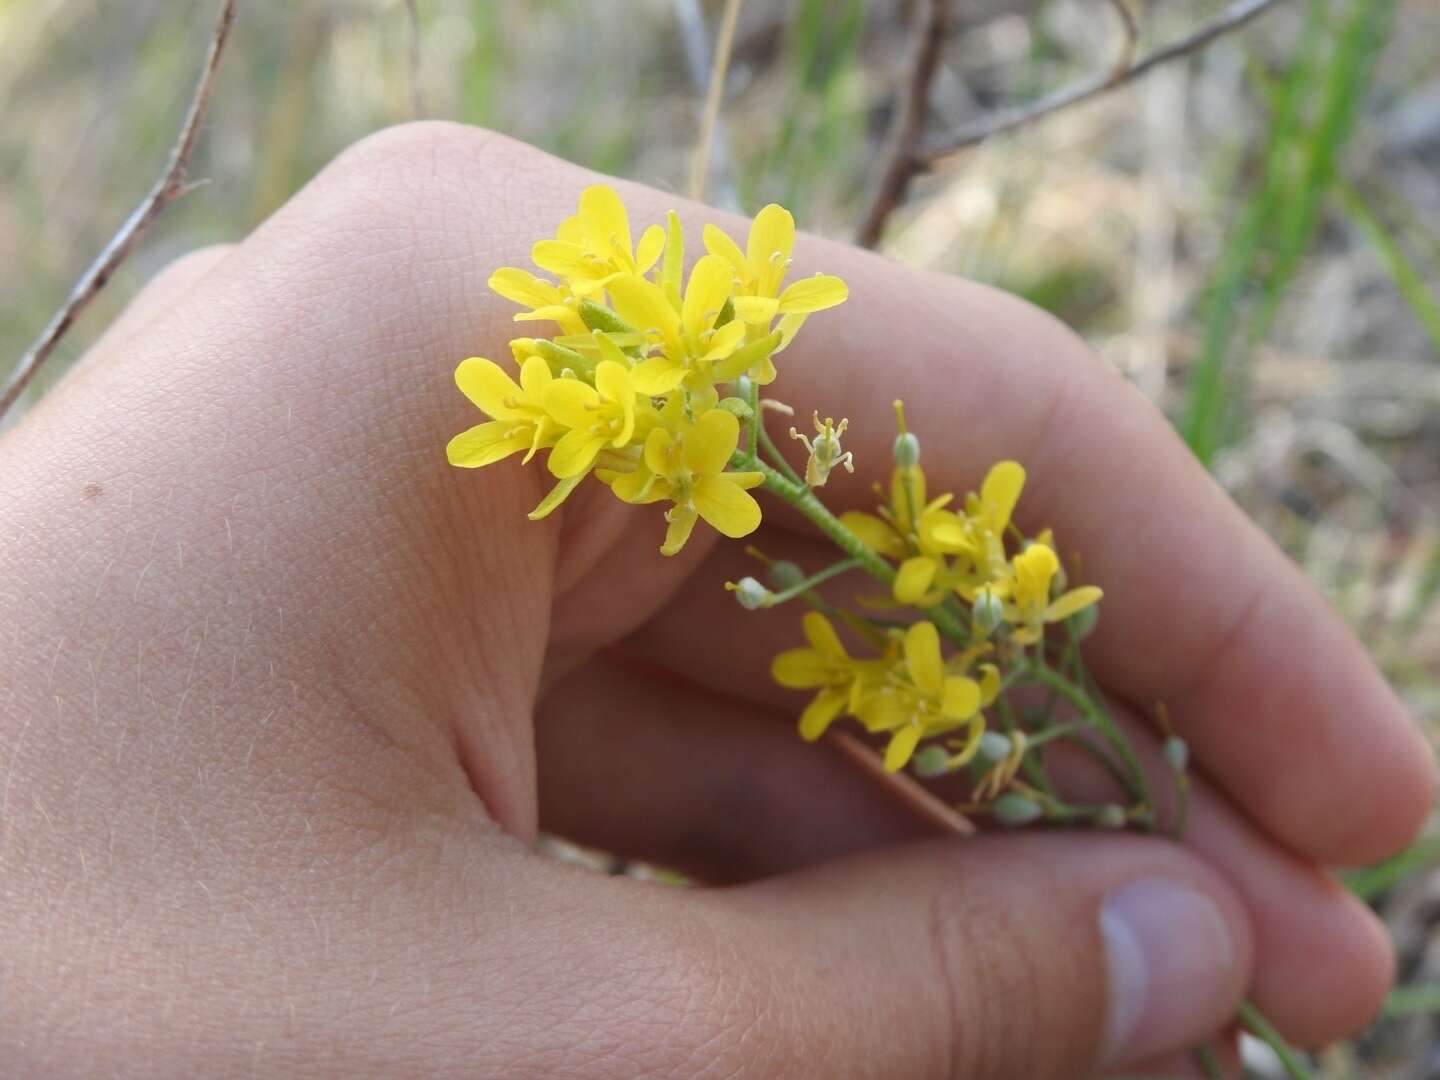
x,y
970,568
637,386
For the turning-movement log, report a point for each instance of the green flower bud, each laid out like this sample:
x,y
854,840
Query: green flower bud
x,y
1111,817
906,449
784,574
994,746
931,761
987,611
750,593
742,387
737,407
1177,753
1012,809
1085,620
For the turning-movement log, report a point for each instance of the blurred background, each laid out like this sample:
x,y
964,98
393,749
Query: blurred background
x,y
1251,234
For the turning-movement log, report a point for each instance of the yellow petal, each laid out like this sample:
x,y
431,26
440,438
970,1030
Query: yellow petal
x,y
1001,491
486,444
821,635
602,216
708,289
922,657
673,267
961,698
989,683
565,260
554,497
652,243
571,402
660,452
710,441
912,580
813,294
523,287
575,453
756,309
642,304
656,376
682,523
800,669
488,387
728,507
746,480
534,378
820,714
788,327
568,318
1073,601
901,748
875,533
724,341
772,233
718,242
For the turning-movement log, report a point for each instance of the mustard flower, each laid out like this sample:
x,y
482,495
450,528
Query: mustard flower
x,y
519,419
825,666
903,530
687,466
546,300
593,246
921,699
595,416
1026,594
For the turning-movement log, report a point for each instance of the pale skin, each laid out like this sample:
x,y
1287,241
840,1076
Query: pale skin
x,y
284,698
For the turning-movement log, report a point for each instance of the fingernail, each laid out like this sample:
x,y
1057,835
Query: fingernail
x,y
1169,956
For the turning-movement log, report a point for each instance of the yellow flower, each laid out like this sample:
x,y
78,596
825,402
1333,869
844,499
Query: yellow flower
x,y
904,530
921,698
760,270
824,666
688,338
546,301
688,468
595,416
519,418
1027,593
978,538
593,247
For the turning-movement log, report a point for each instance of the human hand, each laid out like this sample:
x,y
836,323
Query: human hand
x,y
288,698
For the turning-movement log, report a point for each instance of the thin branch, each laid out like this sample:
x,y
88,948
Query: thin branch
x,y
1232,18
904,787
172,184
719,66
1130,25
898,160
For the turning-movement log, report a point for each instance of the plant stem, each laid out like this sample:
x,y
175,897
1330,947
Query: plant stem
x,y
777,458
1102,722
809,583
804,500
1263,1030
752,398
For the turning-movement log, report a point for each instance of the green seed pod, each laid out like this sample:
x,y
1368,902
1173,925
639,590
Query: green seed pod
x,y
751,593
737,407
906,449
1012,809
987,611
931,761
784,574
994,746
1111,817
1177,753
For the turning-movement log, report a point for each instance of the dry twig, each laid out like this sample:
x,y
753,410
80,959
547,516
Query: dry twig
x,y
173,183
897,160
920,801
905,161
719,66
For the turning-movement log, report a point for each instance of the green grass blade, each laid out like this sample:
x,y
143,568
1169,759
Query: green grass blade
x,y
1409,281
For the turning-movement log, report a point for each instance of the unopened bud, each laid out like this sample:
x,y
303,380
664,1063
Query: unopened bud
x,y
737,407
987,611
994,746
1012,809
742,387
1111,817
906,449
785,574
1177,753
1085,620
750,593
931,761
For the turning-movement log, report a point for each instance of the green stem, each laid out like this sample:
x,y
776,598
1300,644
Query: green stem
x,y
778,459
804,500
752,398
1102,722
1263,1030
1059,731
1205,1058
809,583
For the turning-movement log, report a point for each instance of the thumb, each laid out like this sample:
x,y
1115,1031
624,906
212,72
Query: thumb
x,y
1003,956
